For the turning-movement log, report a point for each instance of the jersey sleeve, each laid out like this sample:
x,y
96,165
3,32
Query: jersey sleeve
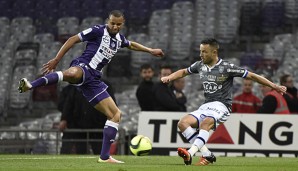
x,y
125,42
91,33
236,71
193,68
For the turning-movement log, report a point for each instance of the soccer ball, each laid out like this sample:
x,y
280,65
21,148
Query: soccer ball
x,y
140,145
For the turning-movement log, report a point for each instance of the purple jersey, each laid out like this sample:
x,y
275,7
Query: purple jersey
x,y
101,46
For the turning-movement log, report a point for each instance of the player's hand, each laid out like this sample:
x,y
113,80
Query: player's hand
x,y
62,125
49,66
157,52
165,79
280,89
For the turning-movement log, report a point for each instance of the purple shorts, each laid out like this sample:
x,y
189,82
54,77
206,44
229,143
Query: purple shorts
x,y
92,87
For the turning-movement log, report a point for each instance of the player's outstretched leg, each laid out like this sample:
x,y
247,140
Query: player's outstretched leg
x,y
24,85
51,78
182,152
206,160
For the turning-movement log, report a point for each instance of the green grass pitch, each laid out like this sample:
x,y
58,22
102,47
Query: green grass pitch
x,y
145,163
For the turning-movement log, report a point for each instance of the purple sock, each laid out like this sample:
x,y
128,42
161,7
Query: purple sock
x,y
49,79
109,134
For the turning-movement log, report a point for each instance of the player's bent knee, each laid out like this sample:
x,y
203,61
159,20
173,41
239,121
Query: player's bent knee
x,y
182,124
116,116
72,75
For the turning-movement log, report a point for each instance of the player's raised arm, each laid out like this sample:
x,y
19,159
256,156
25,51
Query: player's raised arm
x,y
262,80
51,65
176,75
138,47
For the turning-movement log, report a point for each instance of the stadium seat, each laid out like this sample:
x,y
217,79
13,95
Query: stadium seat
x,y
68,26
159,28
17,100
22,8
250,17
43,38
204,25
6,8
91,8
160,5
25,57
110,5
139,58
139,12
4,21
182,19
90,21
291,9
48,50
272,15
4,34
68,8
22,33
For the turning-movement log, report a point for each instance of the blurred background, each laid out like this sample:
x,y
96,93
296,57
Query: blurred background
x,y
260,35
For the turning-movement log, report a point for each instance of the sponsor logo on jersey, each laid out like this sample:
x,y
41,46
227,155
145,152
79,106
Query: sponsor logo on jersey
x,y
107,52
235,70
211,77
221,69
222,78
106,39
211,87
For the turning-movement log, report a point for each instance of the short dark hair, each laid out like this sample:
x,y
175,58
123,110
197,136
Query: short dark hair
x,y
284,78
165,66
116,13
146,66
210,41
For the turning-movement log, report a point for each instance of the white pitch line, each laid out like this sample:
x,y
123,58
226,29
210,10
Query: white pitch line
x,y
46,158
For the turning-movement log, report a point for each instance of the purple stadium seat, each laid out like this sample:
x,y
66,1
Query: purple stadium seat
x,y
6,8
250,18
157,4
110,5
23,8
69,8
139,12
91,8
250,60
272,15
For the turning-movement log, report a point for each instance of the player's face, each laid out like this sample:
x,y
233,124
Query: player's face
x,y
147,74
247,86
115,24
207,53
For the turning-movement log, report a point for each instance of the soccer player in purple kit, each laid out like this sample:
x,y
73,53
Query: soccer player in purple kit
x,y
217,76
103,41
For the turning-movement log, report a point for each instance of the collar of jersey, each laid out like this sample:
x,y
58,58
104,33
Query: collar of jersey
x,y
218,62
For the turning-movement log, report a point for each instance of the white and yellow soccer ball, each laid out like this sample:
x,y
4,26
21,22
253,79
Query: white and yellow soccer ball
x,y
140,145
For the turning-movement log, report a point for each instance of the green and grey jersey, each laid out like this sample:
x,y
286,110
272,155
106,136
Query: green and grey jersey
x,y
217,80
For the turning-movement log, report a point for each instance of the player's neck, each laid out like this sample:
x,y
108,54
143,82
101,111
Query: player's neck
x,y
214,62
